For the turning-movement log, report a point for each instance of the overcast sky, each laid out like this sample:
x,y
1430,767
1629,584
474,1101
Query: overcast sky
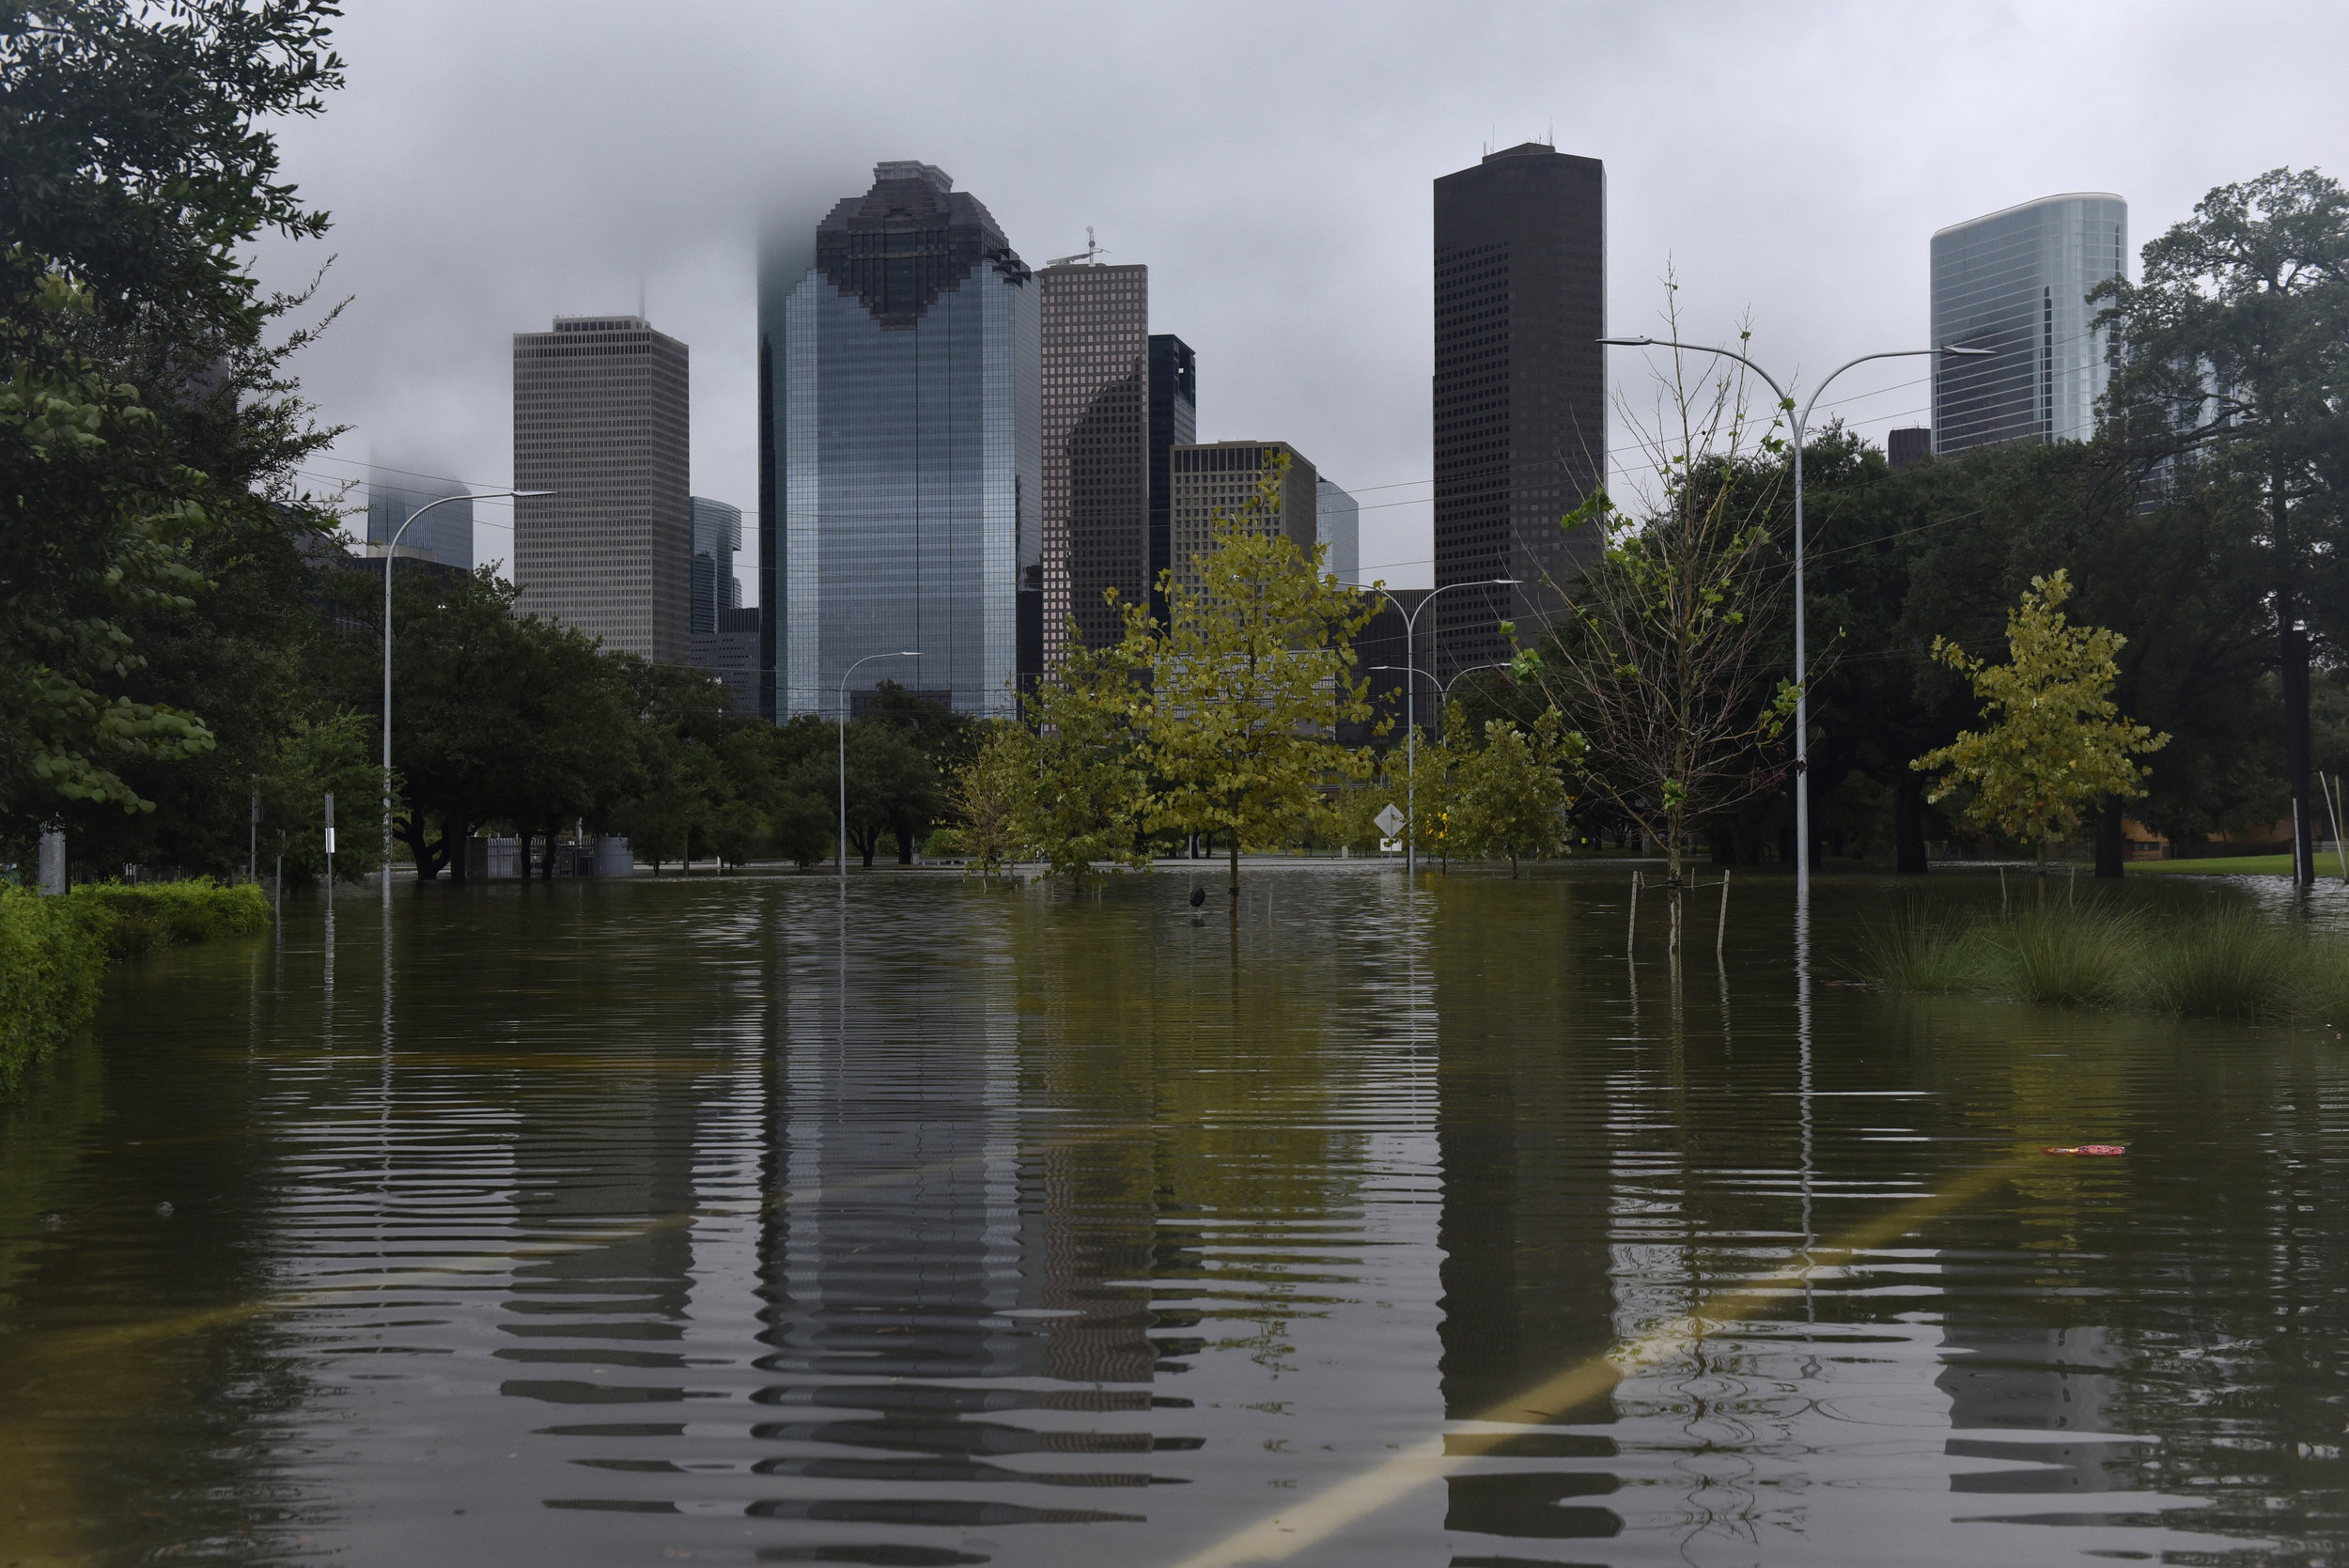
x,y
495,162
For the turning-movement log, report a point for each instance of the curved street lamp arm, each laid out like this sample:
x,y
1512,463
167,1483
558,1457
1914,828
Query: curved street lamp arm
x,y
1700,348
1817,391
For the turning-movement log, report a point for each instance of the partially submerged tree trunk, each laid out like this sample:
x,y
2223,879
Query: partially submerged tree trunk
x,y
1909,824
2109,842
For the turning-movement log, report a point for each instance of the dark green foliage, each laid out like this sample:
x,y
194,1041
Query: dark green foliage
x,y
53,954
147,436
142,917
54,951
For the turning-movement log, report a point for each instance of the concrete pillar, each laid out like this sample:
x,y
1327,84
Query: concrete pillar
x,y
51,858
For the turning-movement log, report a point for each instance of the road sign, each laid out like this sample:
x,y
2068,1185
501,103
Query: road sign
x,y
1390,820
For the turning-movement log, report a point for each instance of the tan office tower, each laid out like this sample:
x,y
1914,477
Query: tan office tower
x,y
603,418
1220,479
1097,447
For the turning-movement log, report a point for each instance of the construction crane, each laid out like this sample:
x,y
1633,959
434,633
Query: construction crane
x,y
1090,256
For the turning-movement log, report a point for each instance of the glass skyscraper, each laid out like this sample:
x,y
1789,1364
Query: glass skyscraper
x,y
2018,282
717,536
900,452
1338,524
444,534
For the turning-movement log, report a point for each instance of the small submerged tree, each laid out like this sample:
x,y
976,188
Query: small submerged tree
x,y
2055,741
1247,683
1662,660
1076,771
1512,793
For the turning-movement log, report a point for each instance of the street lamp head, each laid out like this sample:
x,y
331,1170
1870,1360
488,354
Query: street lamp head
x,y
908,653
1504,582
1628,342
1969,353
529,495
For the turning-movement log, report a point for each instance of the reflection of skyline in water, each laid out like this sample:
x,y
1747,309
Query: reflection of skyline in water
x,y
1050,1237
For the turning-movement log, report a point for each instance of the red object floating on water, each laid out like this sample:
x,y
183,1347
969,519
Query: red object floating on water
x,y
2090,1149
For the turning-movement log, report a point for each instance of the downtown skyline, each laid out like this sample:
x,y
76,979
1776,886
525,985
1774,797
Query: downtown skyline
x,y
1809,210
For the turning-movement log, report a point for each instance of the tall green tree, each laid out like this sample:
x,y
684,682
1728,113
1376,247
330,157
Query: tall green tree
x,y
2234,359
1247,683
143,416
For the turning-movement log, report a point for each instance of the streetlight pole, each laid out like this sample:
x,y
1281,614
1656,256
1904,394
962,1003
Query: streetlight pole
x,y
1802,665
391,549
1410,710
840,846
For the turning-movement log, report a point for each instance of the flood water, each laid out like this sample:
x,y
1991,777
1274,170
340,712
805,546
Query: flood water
x,y
727,1221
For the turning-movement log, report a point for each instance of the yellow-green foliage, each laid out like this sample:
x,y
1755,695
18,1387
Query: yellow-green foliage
x,y
54,951
2055,741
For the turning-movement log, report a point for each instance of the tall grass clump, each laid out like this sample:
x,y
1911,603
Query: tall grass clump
x,y
2320,989
53,954
2081,955
1913,955
2227,963
2232,964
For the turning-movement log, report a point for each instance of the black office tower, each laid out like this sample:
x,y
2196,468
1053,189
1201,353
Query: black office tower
x,y
1521,390
1174,422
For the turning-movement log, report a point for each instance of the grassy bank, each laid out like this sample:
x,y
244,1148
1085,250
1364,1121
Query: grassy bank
x,y
54,951
2227,964
2228,866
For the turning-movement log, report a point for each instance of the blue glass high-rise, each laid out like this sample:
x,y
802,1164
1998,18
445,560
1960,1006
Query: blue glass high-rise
x,y
2018,282
900,451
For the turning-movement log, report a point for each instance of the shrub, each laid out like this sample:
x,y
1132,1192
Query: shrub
x,y
52,952
167,914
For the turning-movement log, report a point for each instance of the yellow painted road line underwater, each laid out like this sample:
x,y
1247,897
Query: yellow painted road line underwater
x,y
1292,1531
112,1338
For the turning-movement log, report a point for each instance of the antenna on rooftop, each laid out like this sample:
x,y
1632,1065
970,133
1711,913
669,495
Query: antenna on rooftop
x,y
1089,255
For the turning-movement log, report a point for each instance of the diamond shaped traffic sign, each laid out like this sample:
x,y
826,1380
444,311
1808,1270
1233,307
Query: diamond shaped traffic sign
x,y
1390,820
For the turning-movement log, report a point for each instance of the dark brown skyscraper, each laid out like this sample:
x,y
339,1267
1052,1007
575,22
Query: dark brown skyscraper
x,y
1520,389
1097,447
601,418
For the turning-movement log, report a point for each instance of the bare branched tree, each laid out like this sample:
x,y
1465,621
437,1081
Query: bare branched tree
x,y
1663,660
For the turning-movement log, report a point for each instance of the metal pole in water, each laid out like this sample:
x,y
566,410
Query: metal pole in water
x,y
1721,933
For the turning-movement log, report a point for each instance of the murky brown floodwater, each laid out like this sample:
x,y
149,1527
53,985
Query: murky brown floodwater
x,y
640,1222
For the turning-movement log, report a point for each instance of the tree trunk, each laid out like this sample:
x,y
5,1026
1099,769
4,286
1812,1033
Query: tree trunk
x,y
427,857
546,870
457,838
905,841
1235,868
2108,840
1909,824
2296,685
522,837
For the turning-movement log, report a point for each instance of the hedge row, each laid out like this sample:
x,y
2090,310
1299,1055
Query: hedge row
x,y
54,951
